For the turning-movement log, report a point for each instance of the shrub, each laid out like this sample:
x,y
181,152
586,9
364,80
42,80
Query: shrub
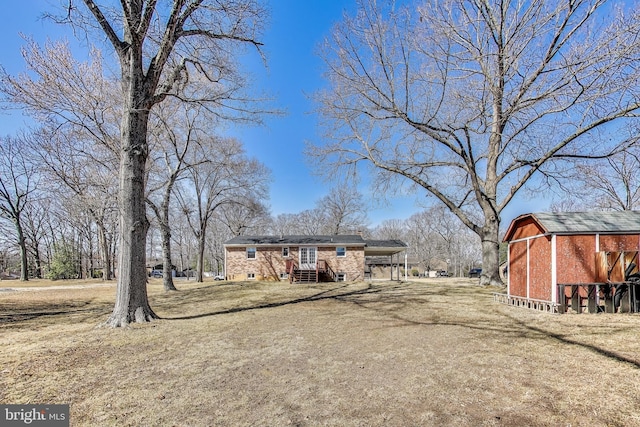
x,y
63,265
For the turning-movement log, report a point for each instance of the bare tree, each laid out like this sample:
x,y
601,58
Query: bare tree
x,y
249,216
79,138
18,184
76,161
217,233
178,127
470,101
182,50
284,224
183,243
344,210
230,179
421,238
611,184
569,205
454,240
310,222
390,229
36,227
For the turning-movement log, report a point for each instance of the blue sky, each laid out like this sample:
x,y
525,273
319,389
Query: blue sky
x,y
294,72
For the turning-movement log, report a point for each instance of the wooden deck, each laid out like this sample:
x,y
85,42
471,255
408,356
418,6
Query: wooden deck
x,y
322,273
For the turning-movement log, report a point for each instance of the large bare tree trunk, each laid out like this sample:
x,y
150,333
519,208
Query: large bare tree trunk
x,y
37,259
489,235
24,271
145,39
104,251
200,260
167,277
165,230
131,297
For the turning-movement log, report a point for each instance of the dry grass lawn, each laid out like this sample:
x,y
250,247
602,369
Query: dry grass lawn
x,y
432,353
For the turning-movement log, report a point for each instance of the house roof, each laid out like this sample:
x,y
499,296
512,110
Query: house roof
x,y
579,222
344,239
384,247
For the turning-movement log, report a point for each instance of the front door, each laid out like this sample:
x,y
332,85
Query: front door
x,y
307,258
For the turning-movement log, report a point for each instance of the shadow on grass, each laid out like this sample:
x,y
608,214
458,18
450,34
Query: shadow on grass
x,y
87,310
512,326
441,305
323,295
563,339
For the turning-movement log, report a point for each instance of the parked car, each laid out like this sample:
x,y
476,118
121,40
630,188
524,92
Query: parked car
x,y
156,273
475,272
218,277
442,273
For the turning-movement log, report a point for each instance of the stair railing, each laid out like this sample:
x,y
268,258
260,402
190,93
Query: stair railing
x,y
291,266
324,266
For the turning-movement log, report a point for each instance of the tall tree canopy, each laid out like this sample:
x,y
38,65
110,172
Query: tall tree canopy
x,y
18,185
184,49
471,100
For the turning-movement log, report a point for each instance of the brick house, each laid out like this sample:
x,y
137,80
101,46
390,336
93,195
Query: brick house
x,y
305,258
566,258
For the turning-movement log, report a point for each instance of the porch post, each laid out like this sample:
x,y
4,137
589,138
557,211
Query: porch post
x,y
405,266
391,264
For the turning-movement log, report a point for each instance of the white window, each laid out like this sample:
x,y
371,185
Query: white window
x,y
251,276
285,252
341,277
251,253
341,251
284,276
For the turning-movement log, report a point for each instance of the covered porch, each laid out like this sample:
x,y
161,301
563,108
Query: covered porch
x,y
384,260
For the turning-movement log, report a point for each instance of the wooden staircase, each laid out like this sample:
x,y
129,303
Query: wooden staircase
x,y
322,273
304,276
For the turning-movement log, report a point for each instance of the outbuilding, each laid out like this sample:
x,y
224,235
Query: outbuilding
x,y
559,260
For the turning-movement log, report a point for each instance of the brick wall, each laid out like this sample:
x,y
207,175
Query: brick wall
x,y
269,262
351,265
267,265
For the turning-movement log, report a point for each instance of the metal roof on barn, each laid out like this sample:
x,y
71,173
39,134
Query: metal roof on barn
x,y
580,222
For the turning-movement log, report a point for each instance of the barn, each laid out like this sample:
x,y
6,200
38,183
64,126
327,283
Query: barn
x,y
572,260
